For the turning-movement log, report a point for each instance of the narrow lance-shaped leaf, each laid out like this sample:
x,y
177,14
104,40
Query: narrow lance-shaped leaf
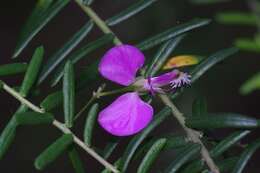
x,y
69,94
162,54
216,151
172,32
75,160
32,71
151,155
88,2
138,139
225,165
247,44
8,134
11,69
109,148
61,54
245,156
33,118
90,123
189,151
250,85
53,151
37,22
52,101
236,18
80,53
199,107
222,120
129,12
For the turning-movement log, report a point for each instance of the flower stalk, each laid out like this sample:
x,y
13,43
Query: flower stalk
x,y
192,134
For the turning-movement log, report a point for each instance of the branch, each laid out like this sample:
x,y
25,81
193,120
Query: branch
x,y
61,127
192,134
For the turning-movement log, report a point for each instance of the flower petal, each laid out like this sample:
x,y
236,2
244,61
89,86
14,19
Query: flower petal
x,y
127,115
121,63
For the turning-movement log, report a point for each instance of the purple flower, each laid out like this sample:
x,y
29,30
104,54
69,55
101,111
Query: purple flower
x,y
128,114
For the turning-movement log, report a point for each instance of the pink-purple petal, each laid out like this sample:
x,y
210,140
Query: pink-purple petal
x,y
121,63
127,115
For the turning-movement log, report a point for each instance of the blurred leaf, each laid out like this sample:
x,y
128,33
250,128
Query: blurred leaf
x,y
138,139
205,65
181,61
216,151
75,160
245,156
251,84
151,155
199,107
207,1
161,56
90,123
129,12
80,53
189,151
109,148
11,69
33,118
53,151
222,120
171,33
247,44
225,165
8,134
236,18
88,2
52,101
61,54
44,11
69,94
32,71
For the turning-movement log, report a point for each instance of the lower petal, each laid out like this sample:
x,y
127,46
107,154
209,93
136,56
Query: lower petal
x,y
127,115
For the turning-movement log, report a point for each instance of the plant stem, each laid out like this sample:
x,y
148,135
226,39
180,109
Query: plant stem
x,y
99,22
61,127
192,134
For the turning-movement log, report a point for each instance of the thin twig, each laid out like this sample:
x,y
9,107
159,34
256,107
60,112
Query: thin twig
x,y
190,133
61,127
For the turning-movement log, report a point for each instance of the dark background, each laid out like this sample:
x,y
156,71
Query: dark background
x,y
220,85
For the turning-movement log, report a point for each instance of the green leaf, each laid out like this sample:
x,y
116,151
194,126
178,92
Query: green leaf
x,y
129,12
11,69
53,151
32,71
109,148
33,118
88,2
245,156
61,54
80,53
151,155
236,18
172,32
8,134
205,65
199,107
247,44
52,101
222,120
218,150
225,165
161,56
251,84
138,139
41,15
69,94
189,151
116,164
90,123
75,160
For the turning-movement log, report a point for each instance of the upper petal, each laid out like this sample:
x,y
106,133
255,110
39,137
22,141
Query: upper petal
x,y
127,115
121,63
